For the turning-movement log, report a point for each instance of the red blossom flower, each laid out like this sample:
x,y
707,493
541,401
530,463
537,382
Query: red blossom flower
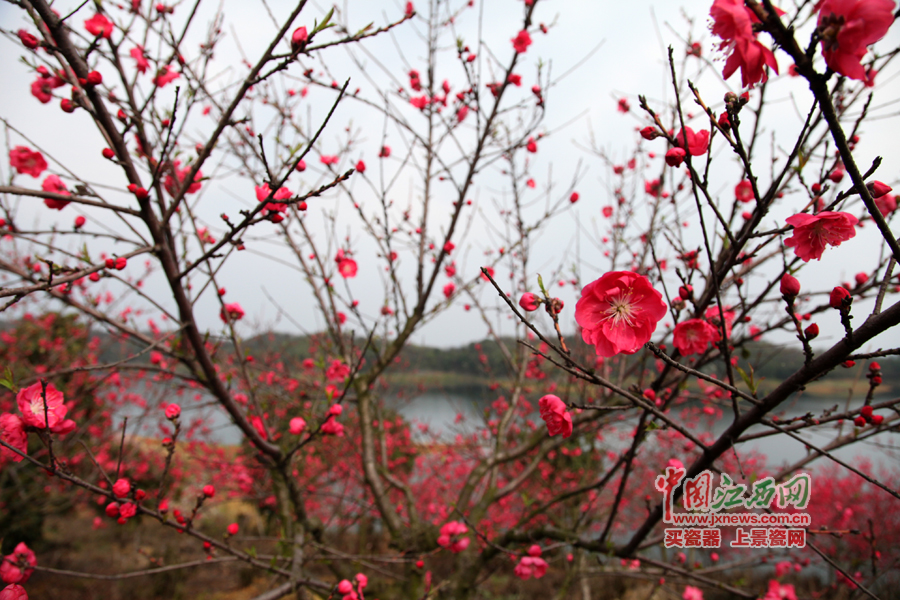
x,y
15,566
694,335
234,312
449,289
697,143
733,23
619,312
32,406
173,411
451,537
848,27
530,566
521,41
744,191
181,174
886,204
42,88
553,412
263,191
812,233
297,425
54,184
99,25
165,76
12,431
13,591
137,53
347,267
28,40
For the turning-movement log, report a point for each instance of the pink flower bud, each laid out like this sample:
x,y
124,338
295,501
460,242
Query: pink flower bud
x,y
878,189
299,38
173,411
789,285
675,156
839,298
233,529
121,488
812,332
529,301
209,491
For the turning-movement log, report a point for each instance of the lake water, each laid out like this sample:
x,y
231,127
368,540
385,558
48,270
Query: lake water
x,y
435,416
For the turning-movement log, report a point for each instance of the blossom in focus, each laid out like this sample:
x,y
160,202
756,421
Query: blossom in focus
x,y
40,412
529,301
27,161
847,28
697,143
619,312
553,412
694,335
812,233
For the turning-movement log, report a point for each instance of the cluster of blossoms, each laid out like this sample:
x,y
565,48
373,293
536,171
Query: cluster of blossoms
x,y
451,536
531,565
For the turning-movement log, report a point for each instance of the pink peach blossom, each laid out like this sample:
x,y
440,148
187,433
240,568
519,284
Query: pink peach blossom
x,y
619,312
15,566
12,431
553,412
27,161
812,233
848,27
694,335
32,406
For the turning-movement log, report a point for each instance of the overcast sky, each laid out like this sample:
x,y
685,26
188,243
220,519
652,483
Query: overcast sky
x,y
630,39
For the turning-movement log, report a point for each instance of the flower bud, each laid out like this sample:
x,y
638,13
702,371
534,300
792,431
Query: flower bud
x,y
878,189
649,133
299,38
529,301
790,287
811,332
675,156
840,298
